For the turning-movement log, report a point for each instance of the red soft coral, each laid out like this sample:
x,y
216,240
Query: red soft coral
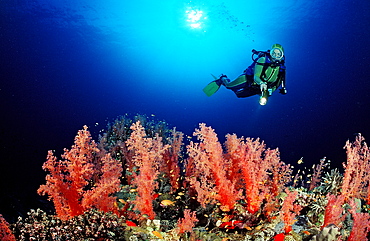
x,y
187,223
5,233
68,181
262,173
334,211
147,157
100,197
289,210
361,223
213,183
171,157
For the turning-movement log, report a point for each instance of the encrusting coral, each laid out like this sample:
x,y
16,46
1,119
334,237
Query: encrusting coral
x,y
91,225
128,187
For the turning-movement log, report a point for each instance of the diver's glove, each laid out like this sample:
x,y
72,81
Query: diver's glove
x,y
283,91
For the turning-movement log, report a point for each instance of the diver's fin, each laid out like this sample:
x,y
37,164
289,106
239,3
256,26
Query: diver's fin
x,y
212,87
214,77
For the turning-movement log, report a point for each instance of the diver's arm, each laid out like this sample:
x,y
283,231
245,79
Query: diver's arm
x,y
283,83
257,74
258,80
262,84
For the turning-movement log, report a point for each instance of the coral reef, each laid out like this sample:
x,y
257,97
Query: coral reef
x,y
92,225
140,183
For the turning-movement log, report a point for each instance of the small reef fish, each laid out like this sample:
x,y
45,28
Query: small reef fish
x,y
230,224
130,223
300,161
165,203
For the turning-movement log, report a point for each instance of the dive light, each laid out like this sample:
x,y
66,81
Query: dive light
x,y
264,97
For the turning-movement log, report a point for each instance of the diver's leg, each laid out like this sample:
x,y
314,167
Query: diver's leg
x,y
222,80
239,81
246,92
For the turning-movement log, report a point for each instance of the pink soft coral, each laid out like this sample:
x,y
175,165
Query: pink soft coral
x,y
356,177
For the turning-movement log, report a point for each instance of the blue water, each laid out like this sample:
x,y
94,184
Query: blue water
x,y
68,63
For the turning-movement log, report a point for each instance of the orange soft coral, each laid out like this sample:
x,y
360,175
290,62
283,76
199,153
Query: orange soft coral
x,y
361,223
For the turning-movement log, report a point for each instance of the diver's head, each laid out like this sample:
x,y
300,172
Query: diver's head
x,y
277,52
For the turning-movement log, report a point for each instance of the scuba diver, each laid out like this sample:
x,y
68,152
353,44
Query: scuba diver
x,y
262,77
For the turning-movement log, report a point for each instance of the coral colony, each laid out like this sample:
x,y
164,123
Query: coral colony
x,y
140,182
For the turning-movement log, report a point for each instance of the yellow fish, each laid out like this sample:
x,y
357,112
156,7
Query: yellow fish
x,y
157,234
300,161
166,203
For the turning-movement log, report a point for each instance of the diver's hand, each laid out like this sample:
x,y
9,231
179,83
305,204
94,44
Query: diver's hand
x,y
263,87
283,91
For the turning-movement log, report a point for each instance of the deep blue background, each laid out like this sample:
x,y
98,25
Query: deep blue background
x,y
68,63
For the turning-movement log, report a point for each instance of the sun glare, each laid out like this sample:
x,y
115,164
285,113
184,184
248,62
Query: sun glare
x,y
195,18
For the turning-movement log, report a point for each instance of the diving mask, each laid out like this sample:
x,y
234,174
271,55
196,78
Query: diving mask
x,y
276,54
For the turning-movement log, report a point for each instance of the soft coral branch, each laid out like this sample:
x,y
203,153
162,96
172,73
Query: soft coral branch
x,y
334,211
254,169
289,210
209,160
262,173
357,168
147,157
5,233
100,196
171,158
187,223
69,180
361,223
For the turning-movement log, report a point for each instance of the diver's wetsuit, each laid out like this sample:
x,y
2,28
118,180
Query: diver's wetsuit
x,y
272,74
